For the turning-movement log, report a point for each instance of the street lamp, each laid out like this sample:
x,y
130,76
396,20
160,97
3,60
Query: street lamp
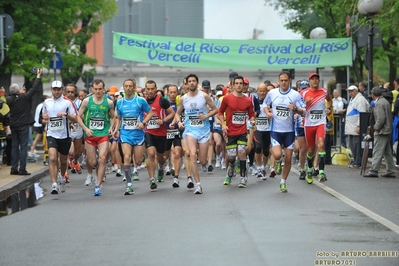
x,y
370,8
318,33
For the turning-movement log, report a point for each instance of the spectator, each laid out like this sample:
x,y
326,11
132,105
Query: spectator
x,y
381,123
363,90
340,105
20,121
357,104
395,91
38,127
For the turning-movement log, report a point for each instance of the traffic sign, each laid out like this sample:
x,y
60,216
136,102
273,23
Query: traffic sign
x,y
56,62
87,78
8,25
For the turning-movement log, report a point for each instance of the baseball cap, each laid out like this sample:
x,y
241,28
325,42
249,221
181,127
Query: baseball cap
x,y
113,90
304,84
311,75
351,88
57,84
219,93
246,80
206,84
233,75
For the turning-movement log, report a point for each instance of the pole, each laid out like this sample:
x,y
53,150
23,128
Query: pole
x,y
55,74
348,73
2,40
370,50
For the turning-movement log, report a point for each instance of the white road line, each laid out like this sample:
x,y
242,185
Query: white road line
x,y
369,213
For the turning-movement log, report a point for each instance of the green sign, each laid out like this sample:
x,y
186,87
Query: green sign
x,y
233,54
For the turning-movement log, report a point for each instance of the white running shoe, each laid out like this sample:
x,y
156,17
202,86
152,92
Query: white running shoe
x,y
217,165
198,189
89,179
223,163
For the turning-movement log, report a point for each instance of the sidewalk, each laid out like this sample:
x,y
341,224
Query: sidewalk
x,y
16,185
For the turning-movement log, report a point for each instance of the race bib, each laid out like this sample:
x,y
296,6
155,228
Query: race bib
x,y
316,116
195,121
97,123
152,124
262,122
56,123
282,113
171,133
130,123
239,118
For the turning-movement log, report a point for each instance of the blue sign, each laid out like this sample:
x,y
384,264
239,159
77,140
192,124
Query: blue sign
x,y
56,62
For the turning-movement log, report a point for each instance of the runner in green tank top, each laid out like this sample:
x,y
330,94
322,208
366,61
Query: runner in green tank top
x,y
98,116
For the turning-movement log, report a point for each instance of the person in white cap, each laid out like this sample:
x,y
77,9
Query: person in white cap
x,y
57,112
357,104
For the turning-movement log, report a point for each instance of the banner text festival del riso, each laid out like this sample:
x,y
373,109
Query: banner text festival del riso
x,y
233,54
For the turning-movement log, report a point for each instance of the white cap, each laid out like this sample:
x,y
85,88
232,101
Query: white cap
x,y
121,89
219,93
353,87
57,84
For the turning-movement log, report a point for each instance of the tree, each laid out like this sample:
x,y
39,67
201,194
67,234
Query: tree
x,y
44,27
302,16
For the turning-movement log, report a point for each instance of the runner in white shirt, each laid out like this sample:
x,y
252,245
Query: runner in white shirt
x,y
281,105
58,111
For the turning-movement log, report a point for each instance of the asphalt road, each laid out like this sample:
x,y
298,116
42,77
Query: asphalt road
x,y
226,225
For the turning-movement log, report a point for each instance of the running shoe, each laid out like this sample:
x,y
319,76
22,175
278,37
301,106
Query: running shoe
x,y
175,182
71,164
167,170
210,168
243,183
283,187
97,190
119,172
78,168
190,183
61,182
272,173
198,189
89,179
223,163
135,176
217,165
204,168
129,190
315,172
230,171
302,175
227,181
54,190
279,169
172,171
322,177
160,175
124,178
253,170
153,184
264,174
309,177
259,173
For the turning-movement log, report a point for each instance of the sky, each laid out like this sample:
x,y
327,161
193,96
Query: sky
x,y
236,19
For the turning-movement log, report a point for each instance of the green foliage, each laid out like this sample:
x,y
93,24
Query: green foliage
x,y
302,16
44,27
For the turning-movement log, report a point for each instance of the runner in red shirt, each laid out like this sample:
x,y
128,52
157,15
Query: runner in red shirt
x,y
315,124
238,109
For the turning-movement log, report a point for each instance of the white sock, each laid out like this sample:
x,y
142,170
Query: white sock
x,y
134,169
199,184
129,184
282,181
54,184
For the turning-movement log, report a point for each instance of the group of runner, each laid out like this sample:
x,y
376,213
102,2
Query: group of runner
x,y
191,123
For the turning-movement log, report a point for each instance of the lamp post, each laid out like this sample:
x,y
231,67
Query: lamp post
x,y
318,33
370,8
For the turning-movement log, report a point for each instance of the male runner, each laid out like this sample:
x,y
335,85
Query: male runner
x,y
315,124
281,105
237,107
196,126
130,120
98,116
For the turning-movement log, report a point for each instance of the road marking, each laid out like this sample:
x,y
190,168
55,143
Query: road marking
x,y
369,213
